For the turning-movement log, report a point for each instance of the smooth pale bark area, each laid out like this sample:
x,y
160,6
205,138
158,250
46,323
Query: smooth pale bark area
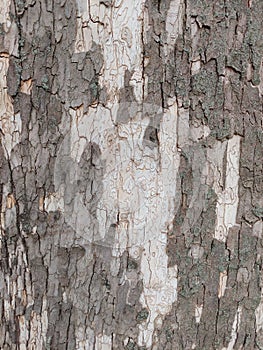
x,y
131,174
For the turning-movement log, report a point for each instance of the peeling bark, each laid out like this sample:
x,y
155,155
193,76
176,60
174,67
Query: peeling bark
x,y
131,174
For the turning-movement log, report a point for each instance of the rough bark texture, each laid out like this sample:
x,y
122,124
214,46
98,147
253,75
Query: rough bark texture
x,y
131,174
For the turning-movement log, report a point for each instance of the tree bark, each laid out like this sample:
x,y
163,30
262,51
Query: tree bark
x,y
131,174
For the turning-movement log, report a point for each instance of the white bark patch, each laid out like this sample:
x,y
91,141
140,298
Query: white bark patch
x,y
222,284
199,132
8,212
4,12
260,87
53,202
160,282
10,124
85,338
259,317
259,313
215,157
195,67
131,182
95,127
174,24
118,29
228,200
38,330
103,342
23,336
138,194
235,329
258,229
196,61
198,313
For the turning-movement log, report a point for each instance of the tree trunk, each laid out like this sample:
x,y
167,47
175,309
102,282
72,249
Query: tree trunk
x,y
131,174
